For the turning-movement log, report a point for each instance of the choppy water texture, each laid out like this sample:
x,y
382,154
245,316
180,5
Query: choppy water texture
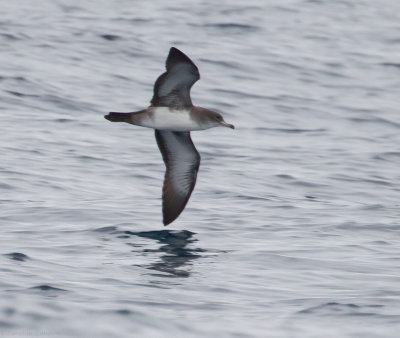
x,y
293,227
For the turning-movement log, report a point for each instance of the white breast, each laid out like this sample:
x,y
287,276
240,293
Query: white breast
x,y
164,118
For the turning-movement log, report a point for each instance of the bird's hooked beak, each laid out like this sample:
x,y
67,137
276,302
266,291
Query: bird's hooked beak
x,y
223,123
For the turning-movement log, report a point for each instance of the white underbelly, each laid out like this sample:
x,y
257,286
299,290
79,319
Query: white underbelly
x,y
175,120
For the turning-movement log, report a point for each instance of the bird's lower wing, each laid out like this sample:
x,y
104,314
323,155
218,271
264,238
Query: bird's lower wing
x,y
182,163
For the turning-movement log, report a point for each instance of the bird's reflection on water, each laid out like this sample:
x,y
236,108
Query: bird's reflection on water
x,y
175,254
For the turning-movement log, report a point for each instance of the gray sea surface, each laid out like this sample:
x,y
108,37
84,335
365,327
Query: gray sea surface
x,y
293,229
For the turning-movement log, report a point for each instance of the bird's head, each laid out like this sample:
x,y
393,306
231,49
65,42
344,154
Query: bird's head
x,y
213,119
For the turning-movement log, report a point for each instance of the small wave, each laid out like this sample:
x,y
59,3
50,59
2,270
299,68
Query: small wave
x,y
306,184
63,102
110,37
45,287
6,186
17,256
89,158
19,94
373,207
292,130
378,120
391,64
342,308
222,63
387,156
230,27
8,36
106,229
309,197
241,10
282,64
5,325
123,312
252,198
285,176
63,120
346,178
13,78
239,93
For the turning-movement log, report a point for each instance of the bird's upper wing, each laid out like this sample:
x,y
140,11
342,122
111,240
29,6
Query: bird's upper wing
x,y
172,88
182,162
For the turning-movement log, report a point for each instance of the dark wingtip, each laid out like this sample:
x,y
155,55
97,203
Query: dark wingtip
x,y
174,50
177,56
167,220
170,216
172,211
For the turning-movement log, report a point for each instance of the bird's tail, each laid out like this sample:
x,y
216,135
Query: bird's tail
x,y
118,117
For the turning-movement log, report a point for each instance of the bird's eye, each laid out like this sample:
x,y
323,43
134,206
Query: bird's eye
x,y
218,118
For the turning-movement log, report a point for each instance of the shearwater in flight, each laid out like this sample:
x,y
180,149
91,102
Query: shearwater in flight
x,y
173,116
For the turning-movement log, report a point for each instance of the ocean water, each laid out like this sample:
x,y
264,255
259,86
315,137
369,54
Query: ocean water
x,y
293,229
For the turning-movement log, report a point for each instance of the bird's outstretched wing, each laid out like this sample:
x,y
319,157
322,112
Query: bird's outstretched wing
x,y
172,88
182,162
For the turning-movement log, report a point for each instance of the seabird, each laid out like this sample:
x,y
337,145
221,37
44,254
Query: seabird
x,y
173,116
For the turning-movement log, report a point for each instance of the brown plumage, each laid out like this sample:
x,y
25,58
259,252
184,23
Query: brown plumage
x,y
173,116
